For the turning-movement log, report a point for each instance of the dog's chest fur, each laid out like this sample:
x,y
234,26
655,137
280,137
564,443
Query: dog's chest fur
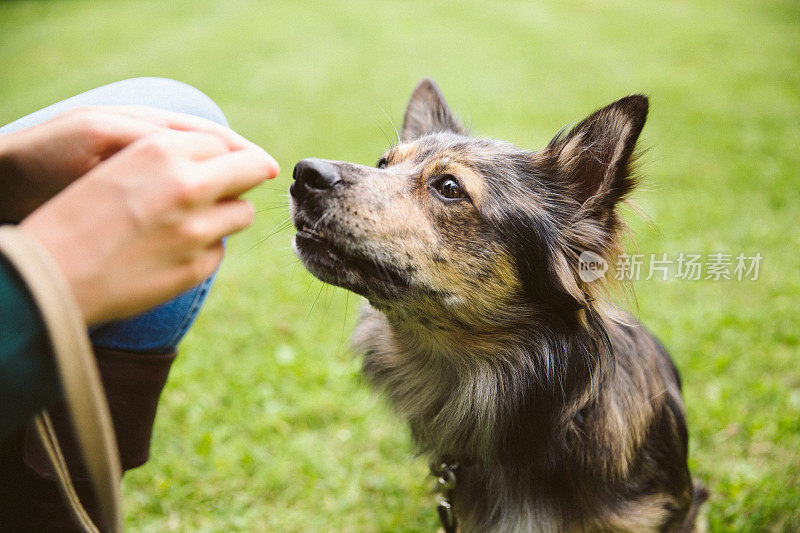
x,y
530,460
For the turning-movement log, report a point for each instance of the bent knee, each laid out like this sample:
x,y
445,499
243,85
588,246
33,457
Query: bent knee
x,y
162,93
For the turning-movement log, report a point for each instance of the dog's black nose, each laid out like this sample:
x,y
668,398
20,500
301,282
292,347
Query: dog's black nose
x,y
313,175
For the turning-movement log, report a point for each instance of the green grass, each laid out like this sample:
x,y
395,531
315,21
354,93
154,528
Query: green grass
x,y
265,424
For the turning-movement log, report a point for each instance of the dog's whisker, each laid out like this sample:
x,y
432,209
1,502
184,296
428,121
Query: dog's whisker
x,y
344,320
281,226
386,136
319,221
322,286
271,208
397,133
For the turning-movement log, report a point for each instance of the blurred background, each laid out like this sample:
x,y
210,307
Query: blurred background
x,y
265,424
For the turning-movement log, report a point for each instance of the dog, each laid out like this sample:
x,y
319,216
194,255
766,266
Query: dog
x,y
545,406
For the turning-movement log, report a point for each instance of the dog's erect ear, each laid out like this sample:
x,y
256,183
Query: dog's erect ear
x,y
594,157
427,112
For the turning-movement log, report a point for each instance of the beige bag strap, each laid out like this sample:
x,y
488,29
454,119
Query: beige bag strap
x,y
80,381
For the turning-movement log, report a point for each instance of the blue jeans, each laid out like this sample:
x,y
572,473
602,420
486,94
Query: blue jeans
x,y
161,328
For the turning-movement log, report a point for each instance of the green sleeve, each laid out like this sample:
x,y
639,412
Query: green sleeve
x,y
28,379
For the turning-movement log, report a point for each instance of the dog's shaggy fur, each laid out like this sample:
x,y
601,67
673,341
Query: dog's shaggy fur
x,y
563,413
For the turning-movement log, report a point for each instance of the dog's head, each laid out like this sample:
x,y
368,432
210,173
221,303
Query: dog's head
x,y
470,228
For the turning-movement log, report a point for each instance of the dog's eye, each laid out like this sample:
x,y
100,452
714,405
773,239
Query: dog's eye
x,y
449,188
382,163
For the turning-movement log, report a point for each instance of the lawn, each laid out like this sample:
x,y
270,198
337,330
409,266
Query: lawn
x,y
265,424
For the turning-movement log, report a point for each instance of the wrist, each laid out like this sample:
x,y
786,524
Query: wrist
x,y
5,152
9,166
13,208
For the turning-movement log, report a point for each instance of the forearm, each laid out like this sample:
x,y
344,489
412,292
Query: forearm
x,y
28,379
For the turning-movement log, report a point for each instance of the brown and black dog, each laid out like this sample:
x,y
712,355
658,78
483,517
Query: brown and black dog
x,y
561,412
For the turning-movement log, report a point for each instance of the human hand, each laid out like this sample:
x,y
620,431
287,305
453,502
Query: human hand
x,y
147,223
38,162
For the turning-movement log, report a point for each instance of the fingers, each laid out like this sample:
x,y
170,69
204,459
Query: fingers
x,y
112,128
183,122
207,226
201,267
115,130
174,145
100,132
233,173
